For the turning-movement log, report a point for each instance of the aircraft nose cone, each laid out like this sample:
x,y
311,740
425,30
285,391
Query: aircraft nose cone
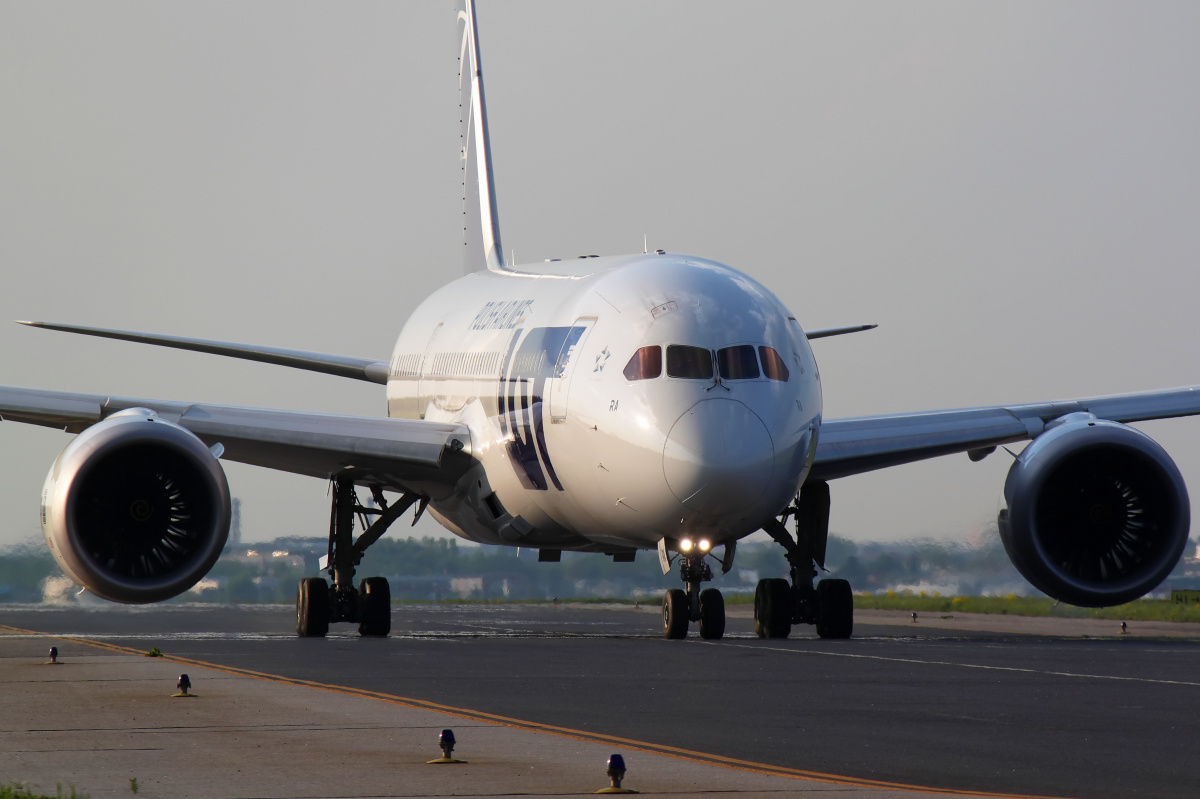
x,y
718,458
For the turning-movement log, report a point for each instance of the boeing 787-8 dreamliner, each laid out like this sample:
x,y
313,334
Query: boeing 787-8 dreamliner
x,y
653,401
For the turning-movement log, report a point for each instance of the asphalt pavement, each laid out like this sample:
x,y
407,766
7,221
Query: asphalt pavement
x,y
969,706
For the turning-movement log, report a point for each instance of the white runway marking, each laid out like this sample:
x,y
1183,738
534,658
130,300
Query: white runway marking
x,y
162,636
919,662
348,634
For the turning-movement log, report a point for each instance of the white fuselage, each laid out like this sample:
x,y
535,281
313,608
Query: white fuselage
x,y
573,453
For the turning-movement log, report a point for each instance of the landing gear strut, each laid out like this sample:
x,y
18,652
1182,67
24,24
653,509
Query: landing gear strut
x,y
318,603
683,606
829,604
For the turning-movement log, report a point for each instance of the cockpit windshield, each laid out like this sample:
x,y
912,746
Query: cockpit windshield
x,y
645,364
689,362
773,365
737,363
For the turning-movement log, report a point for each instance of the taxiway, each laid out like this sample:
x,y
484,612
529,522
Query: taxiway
x,y
971,706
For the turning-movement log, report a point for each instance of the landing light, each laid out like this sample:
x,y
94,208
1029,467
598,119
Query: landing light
x,y
685,545
704,545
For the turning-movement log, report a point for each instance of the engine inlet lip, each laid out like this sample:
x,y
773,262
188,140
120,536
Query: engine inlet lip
x,y
1143,461
108,440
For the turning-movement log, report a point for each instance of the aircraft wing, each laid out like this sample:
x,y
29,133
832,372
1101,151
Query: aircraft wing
x,y
393,453
373,371
863,444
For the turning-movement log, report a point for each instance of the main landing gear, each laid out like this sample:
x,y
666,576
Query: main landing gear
x,y
830,604
682,606
318,603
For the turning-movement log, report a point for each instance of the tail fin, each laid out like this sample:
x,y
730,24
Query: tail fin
x,y
481,224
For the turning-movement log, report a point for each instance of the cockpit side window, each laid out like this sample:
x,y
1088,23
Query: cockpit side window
x,y
773,365
689,362
645,364
737,363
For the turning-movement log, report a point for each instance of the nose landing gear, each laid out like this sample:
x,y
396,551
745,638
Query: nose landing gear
x,y
830,603
683,606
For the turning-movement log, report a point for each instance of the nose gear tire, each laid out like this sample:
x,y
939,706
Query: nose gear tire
x,y
712,614
675,614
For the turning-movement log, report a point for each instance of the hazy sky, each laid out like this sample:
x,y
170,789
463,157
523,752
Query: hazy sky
x,y
1011,190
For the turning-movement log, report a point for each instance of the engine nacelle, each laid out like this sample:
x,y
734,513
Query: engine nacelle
x,y
136,508
1098,513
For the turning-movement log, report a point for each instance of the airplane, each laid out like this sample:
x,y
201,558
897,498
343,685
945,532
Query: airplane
x,y
650,401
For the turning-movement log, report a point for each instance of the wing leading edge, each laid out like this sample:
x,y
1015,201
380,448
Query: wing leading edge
x,y
852,446
401,454
367,369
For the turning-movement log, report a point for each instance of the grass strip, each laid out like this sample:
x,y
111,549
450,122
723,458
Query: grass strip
x,y
22,791
1138,610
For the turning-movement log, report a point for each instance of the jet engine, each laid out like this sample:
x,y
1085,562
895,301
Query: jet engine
x,y
136,508
1097,514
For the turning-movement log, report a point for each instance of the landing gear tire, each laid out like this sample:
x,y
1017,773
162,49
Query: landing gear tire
x,y
374,607
675,614
712,614
773,608
312,608
835,609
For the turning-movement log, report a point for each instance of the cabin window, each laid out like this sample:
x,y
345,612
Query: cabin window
x,y
773,365
645,364
737,363
689,362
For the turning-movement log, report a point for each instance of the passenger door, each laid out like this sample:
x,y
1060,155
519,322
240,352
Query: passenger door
x,y
565,367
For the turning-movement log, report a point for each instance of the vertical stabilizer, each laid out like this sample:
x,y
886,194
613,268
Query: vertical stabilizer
x,y
481,225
